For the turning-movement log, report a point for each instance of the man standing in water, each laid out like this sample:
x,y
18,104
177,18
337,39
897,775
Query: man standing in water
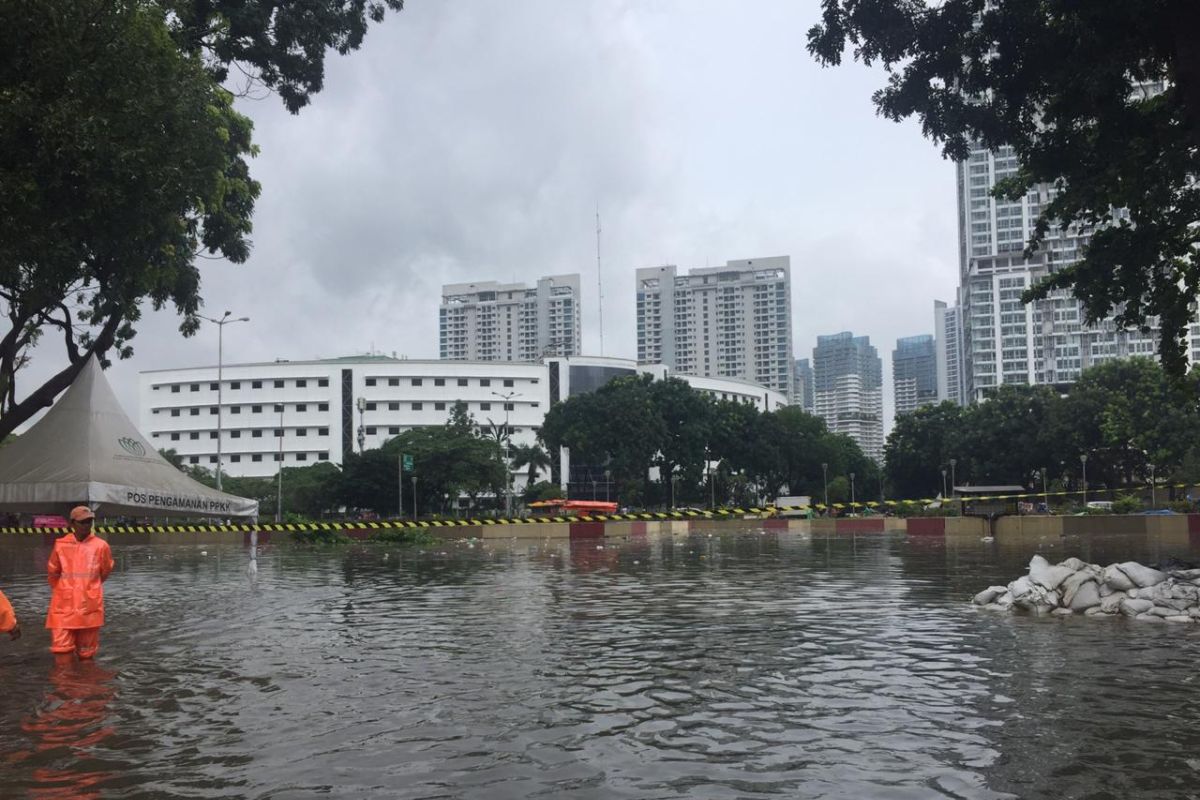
x,y
76,571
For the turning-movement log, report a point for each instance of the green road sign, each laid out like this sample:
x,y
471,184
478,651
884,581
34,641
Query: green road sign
x,y
408,462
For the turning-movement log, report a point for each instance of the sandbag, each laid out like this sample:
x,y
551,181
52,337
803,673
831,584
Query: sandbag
x,y
1040,572
1141,575
989,595
1132,607
1085,597
1115,578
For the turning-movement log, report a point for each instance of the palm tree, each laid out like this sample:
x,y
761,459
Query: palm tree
x,y
531,456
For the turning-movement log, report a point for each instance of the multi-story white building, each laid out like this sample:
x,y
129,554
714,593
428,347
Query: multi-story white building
x,y
914,373
729,322
948,339
1003,339
298,413
848,389
490,321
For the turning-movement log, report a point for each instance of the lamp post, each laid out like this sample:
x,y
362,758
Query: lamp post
x,y
1045,491
361,404
221,323
954,485
414,485
851,491
943,483
1083,461
825,480
1153,488
279,495
507,397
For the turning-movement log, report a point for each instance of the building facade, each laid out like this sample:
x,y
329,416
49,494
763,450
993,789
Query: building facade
x,y
914,373
848,389
802,386
948,339
490,321
299,413
724,322
1004,340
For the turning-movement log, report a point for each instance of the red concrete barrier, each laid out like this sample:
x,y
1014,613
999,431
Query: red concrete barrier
x,y
777,524
926,526
859,525
590,530
1194,531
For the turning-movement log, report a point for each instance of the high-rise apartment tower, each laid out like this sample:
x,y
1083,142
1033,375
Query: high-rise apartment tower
x,y
914,373
491,321
848,389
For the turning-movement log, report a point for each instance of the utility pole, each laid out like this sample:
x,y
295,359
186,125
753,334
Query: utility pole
x,y
221,323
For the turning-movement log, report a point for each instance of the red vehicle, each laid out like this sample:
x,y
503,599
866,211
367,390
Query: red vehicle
x,y
575,506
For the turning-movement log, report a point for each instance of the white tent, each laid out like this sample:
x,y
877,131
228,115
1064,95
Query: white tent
x,y
86,451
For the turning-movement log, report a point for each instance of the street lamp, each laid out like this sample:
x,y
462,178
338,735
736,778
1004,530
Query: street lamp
x,y
1083,461
943,483
954,485
279,490
507,397
1153,494
851,491
221,323
825,480
1045,491
361,404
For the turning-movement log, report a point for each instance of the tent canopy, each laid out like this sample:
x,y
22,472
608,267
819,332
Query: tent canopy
x,y
86,451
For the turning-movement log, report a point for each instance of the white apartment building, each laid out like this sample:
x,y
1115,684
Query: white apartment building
x,y
848,389
948,339
491,321
1006,341
298,413
726,322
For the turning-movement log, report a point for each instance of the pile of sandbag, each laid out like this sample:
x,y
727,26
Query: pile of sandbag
x,y
1073,587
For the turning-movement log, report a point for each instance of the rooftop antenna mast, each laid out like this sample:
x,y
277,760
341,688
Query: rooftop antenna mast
x,y
599,281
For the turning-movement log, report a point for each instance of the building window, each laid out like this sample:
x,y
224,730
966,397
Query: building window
x,y
509,406
393,406
485,381
256,457
322,406
323,456
235,385
322,431
439,406
279,456
195,412
439,381
235,458
214,386
212,411
195,387
416,406
278,433
302,431
485,406
370,406
194,460
194,435
212,434
302,456
508,381
370,381
322,382
393,381
418,382
255,384
212,459
278,384
174,437
256,433
279,408
235,434
301,383
371,431
255,409
235,409
462,381
174,412
394,431
302,406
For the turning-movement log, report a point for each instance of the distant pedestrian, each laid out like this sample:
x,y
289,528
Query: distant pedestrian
x,y
77,569
8,619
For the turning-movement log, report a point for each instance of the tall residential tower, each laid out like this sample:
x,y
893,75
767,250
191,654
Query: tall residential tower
x,y
491,321
914,373
730,322
848,389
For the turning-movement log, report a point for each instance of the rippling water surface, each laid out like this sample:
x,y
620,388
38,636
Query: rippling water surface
x,y
733,666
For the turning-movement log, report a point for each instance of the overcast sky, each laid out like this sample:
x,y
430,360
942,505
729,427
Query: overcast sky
x,y
474,140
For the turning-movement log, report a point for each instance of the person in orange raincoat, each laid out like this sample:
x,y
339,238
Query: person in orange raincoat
x,y
76,572
8,619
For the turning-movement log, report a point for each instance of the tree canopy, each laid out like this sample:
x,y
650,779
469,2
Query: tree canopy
x,y
123,159
1100,100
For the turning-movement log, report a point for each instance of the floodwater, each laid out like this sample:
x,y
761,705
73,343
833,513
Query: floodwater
x,y
752,665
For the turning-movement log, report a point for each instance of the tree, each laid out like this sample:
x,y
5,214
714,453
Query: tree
x,y
1073,88
122,159
531,456
919,447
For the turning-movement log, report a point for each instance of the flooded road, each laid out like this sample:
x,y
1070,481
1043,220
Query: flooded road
x,y
755,665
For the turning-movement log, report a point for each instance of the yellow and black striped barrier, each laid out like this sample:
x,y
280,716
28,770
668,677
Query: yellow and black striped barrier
x,y
634,516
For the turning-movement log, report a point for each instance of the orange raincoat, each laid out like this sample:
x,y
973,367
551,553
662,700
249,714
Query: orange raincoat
x,y
76,572
8,619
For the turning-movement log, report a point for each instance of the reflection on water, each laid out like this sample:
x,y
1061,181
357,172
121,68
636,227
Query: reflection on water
x,y
750,665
